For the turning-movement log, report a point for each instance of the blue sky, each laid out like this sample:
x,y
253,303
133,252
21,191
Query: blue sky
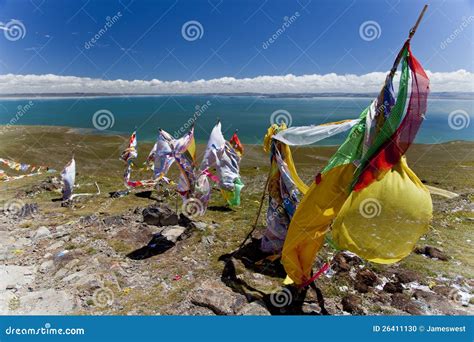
x,y
146,41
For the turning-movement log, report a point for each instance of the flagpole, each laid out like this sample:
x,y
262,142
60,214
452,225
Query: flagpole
x,y
259,209
392,72
410,36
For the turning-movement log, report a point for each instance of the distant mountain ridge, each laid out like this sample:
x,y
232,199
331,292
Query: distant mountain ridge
x,y
433,95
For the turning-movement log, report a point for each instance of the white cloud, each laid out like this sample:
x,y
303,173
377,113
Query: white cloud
x,y
460,80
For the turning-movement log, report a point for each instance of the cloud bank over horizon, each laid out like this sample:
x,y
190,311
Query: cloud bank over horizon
x,y
456,81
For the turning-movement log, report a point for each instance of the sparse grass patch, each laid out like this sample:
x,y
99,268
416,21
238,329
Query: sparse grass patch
x,y
159,293
120,246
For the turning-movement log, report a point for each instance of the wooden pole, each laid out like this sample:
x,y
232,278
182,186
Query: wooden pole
x,y
413,30
410,36
264,192
399,58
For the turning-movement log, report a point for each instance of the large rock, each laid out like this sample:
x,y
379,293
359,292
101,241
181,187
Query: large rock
x,y
432,252
167,237
352,304
427,296
341,264
160,216
344,261
256,308
437,253
15,276
45,302
406,276
186,308
173,233
46,266
365,279
217,297
404,302
393,287
41,233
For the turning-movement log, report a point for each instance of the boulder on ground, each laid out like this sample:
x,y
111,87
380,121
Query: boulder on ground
x,y
41,233
344,261
173,233
393,287
365,279
406,276
432,252
46,302
217,297
404,302
160,215
256,308
352,304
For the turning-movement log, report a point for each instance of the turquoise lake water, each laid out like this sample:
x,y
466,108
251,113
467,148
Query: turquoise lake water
x,y
250,114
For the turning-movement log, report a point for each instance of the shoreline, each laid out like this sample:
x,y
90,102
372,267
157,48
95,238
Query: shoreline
x,y
434,96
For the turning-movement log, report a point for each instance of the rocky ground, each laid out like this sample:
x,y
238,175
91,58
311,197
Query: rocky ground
x,y
138,255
